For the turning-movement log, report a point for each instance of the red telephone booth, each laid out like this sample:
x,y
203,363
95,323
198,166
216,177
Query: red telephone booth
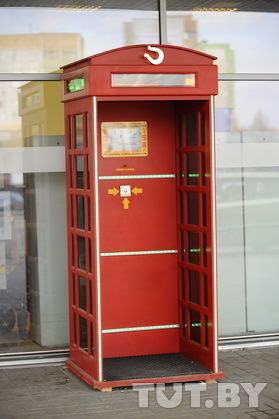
x,y
141,216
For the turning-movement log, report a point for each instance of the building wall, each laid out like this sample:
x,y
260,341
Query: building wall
x,y
32,230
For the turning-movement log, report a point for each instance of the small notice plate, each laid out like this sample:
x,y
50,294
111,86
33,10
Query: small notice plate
x,y
121,139
125,190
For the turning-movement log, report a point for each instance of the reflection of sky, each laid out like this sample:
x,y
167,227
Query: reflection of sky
x,y
257,98
100,29
252,36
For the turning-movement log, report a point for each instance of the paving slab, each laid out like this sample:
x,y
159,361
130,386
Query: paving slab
x,y
52,391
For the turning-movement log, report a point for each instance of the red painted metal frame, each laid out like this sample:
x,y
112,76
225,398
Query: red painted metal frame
x,y
89,102
97,72
87,360
202,352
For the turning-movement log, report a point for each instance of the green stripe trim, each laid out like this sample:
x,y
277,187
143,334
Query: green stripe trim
x,y
146,252
138,329
138,177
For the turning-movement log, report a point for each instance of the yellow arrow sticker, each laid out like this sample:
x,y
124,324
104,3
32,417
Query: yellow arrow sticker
x,y
137,190
126,203
113,191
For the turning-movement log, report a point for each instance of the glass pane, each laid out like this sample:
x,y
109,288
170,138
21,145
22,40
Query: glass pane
x,y
183,322
79,131
82,292
181,131
90,296
191,130
206,341
182,283
182,169
80,172
193,208
261,230
205,250
89,258
183,244
194,287
181,207
33,261
205,291
194,249
88,171
73,252
76,84
83,333
195,326
192,169
203,169
81,253
204,209
227,31
73,286
80,212
202,128
91,340
247,208
88,212
153,80
48,45
238,111
74,320
72,171
231,250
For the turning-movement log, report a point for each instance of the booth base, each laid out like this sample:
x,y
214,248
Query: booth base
x,y
148,369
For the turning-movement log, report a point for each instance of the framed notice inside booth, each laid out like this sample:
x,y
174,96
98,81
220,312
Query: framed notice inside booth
x,y
124,139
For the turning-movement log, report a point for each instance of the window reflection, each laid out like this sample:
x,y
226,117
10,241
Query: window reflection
x,y
247,202
242,47
32,218
33,39
32,202
13,293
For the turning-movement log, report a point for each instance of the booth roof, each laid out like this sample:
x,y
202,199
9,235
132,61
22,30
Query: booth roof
x,y
134,55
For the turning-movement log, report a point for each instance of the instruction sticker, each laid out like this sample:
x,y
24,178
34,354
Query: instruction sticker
x,y
120,139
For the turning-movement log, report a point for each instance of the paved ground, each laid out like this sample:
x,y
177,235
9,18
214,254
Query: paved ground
x,y
55,392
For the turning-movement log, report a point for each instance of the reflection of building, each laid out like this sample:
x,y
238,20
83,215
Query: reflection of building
x,y
182,31
34,53
43,127
248,276
30,53
224,102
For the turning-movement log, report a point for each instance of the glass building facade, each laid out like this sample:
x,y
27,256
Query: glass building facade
x,y
36,39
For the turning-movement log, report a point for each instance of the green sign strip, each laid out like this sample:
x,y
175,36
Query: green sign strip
x,y
138,177
137,329
144,252
75,84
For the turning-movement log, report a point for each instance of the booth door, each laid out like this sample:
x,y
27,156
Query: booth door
x,y
81,198
195,228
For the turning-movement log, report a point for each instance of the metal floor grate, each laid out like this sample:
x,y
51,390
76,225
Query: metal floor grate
x,y
151,366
